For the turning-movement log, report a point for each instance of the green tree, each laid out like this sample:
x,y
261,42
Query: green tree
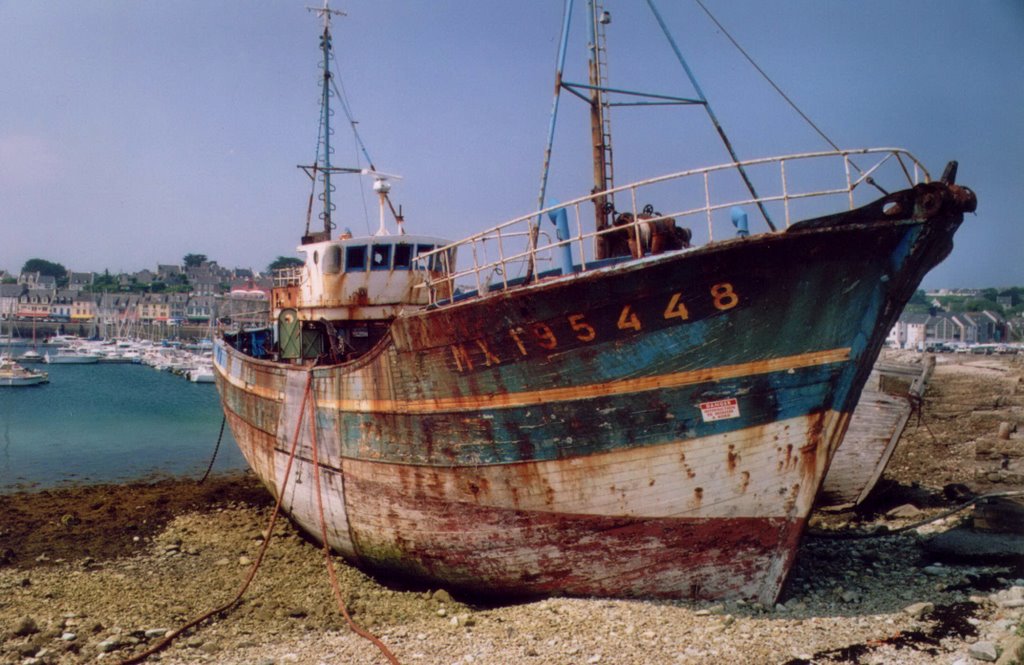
x,y
284,262
919,298
44,267
194,260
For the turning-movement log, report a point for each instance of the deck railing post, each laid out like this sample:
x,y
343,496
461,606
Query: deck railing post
x,y
849,184
785,190
707,206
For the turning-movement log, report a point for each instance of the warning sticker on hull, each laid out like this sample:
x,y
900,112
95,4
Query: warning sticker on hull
x,y
721,409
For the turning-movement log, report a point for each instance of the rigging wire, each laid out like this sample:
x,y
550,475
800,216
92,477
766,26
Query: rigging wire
x,y
342,95
779,90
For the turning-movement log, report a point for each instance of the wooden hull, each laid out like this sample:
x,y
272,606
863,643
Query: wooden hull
x,y
657,428
885,406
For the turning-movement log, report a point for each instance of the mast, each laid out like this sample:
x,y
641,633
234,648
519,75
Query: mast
x,y
324,158
600,128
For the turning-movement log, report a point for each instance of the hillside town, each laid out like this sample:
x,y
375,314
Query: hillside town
x,y
201,294
945,326
157,303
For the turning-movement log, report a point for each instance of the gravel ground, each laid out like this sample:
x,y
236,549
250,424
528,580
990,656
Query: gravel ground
x,y
100,574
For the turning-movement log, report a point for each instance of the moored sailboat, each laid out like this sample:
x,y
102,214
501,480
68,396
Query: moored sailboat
x,y
608,406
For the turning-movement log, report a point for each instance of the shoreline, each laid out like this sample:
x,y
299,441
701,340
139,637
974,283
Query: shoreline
x,y
101,520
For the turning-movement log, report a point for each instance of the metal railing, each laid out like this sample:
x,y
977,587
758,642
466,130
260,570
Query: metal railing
x,y
699,196
290,276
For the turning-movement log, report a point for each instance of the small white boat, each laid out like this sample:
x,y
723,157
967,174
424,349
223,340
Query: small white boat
x,y
201,374
69,356
14,375
31,356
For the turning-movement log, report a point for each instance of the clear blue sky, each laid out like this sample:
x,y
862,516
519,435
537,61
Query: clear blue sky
x,y
133,133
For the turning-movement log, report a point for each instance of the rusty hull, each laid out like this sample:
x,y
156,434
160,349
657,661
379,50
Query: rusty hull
x,y
657,428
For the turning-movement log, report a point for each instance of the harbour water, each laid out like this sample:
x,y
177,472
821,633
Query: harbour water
x,y
109,423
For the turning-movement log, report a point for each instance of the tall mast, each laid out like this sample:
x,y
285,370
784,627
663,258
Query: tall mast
x,y
324,158
600,130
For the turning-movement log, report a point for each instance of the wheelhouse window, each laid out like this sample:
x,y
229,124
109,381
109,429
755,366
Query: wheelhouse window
x,y
427,264
403,256
355,258
380,257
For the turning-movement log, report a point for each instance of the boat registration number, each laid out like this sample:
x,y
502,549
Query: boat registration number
x,y
573,330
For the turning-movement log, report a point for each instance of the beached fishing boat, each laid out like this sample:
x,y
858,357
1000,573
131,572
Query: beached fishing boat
x,y
611,396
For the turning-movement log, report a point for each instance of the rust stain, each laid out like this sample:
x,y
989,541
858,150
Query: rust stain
x,y
731,458
787,461
686,467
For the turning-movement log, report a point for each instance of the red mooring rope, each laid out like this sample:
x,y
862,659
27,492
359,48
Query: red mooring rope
x,y
166,641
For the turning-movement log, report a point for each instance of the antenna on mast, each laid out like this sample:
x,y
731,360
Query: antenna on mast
x,y
325,13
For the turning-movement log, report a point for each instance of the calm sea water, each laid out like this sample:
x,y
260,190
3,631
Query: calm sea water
x,y
109,423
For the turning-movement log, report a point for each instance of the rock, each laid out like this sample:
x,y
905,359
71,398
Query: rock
x,y
244,561
26,626
442,596
1013,651
108,645
28,650
906,511
850,597
918,610
985,651
155,632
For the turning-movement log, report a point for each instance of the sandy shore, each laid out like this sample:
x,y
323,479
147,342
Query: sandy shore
x,y
99,574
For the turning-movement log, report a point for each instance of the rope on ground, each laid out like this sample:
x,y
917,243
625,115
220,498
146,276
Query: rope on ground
x,y
164,643
358,630
220,436
859,535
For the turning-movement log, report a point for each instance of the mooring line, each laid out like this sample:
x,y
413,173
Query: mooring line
x,y
216,448
335,587
166,641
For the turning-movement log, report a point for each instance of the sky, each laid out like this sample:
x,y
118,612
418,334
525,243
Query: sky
x,y
135,132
